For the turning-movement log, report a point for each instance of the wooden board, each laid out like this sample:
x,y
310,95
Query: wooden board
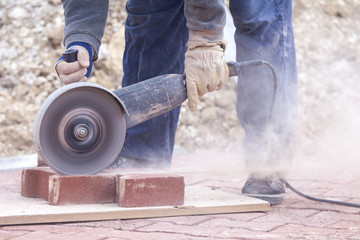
x,y
198,201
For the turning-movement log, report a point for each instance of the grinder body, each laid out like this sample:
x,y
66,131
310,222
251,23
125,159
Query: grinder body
x,y
151,98
80,128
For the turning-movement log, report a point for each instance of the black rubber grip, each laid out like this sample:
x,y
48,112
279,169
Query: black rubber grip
x,y
70,55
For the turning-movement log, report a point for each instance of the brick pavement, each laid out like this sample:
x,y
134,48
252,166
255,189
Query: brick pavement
x,y
295,218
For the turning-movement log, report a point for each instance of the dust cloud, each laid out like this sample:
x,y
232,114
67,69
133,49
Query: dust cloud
x,y
328,55
327,42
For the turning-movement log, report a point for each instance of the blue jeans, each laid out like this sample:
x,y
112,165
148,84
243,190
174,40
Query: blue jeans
x,y
264,31
156,35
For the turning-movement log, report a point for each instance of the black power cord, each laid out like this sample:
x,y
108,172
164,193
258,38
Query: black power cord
x,y
319,199
235,70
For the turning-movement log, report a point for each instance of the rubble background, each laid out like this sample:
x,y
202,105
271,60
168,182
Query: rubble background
x,y
328,53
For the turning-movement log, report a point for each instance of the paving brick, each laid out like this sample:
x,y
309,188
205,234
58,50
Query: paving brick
x,y
101,233
240,233
117,238
61,236
35,182
141,190
195,230
51,228
214,232
288,200
307,204
344,190
5,235
355,237
303,216
125,225
81,189
117,189
250,225
106,233
184,220
41,234
313,232
328,216
316,188
346,224
151,190
243,216
24,228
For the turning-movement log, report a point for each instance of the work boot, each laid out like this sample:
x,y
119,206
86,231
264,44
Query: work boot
x,y
270,189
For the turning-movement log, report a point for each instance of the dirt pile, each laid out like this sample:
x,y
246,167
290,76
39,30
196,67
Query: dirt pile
x,y
328,51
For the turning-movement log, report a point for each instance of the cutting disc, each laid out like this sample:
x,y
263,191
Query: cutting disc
x,y
80,129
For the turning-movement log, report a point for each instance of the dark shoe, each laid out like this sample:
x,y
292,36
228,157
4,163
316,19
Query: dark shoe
x,y
270,189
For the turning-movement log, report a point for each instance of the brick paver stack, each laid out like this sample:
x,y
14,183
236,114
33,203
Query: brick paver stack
x,y
295,218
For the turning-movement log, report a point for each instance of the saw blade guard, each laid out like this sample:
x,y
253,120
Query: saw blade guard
x,y
80,129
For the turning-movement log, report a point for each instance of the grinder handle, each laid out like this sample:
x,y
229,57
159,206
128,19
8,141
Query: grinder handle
x,y
70,55
153,97
234,68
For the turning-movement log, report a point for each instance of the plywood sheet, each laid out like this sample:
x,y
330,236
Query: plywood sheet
x,y
198,200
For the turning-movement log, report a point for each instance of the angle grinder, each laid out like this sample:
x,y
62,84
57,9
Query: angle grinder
x,y
80,128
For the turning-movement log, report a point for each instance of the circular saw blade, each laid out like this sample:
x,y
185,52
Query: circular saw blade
x,y
80,129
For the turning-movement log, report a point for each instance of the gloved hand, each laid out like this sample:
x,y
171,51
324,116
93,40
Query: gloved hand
x,y
205,69
78,71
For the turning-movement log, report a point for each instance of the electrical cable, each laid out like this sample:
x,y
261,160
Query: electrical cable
x,y
342,203
235,70
275,83
319,199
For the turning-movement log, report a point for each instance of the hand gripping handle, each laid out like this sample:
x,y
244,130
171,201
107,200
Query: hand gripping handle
x,y
70,55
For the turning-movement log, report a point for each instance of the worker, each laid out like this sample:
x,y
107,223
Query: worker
x,y
186,36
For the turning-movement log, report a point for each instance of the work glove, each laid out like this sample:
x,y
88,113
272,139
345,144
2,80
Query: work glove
x,y
78,71
205,69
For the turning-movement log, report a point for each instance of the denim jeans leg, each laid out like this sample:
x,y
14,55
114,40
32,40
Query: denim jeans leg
x,y
156,36
264,31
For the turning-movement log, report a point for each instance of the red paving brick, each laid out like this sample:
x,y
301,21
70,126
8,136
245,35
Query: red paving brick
x,y
81,189
282,215
151,190
107,233
350,225
184,220
250,225
315,232
295,218
194,230
307,204
240,233
11,234
355,237
35,182
132,190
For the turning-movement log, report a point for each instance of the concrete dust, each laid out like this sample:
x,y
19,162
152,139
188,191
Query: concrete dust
x,y
336,144
328,54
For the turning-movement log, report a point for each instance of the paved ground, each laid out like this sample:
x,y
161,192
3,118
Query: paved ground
x,y
295,218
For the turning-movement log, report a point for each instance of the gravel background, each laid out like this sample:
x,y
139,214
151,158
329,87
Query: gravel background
x,y
328,54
